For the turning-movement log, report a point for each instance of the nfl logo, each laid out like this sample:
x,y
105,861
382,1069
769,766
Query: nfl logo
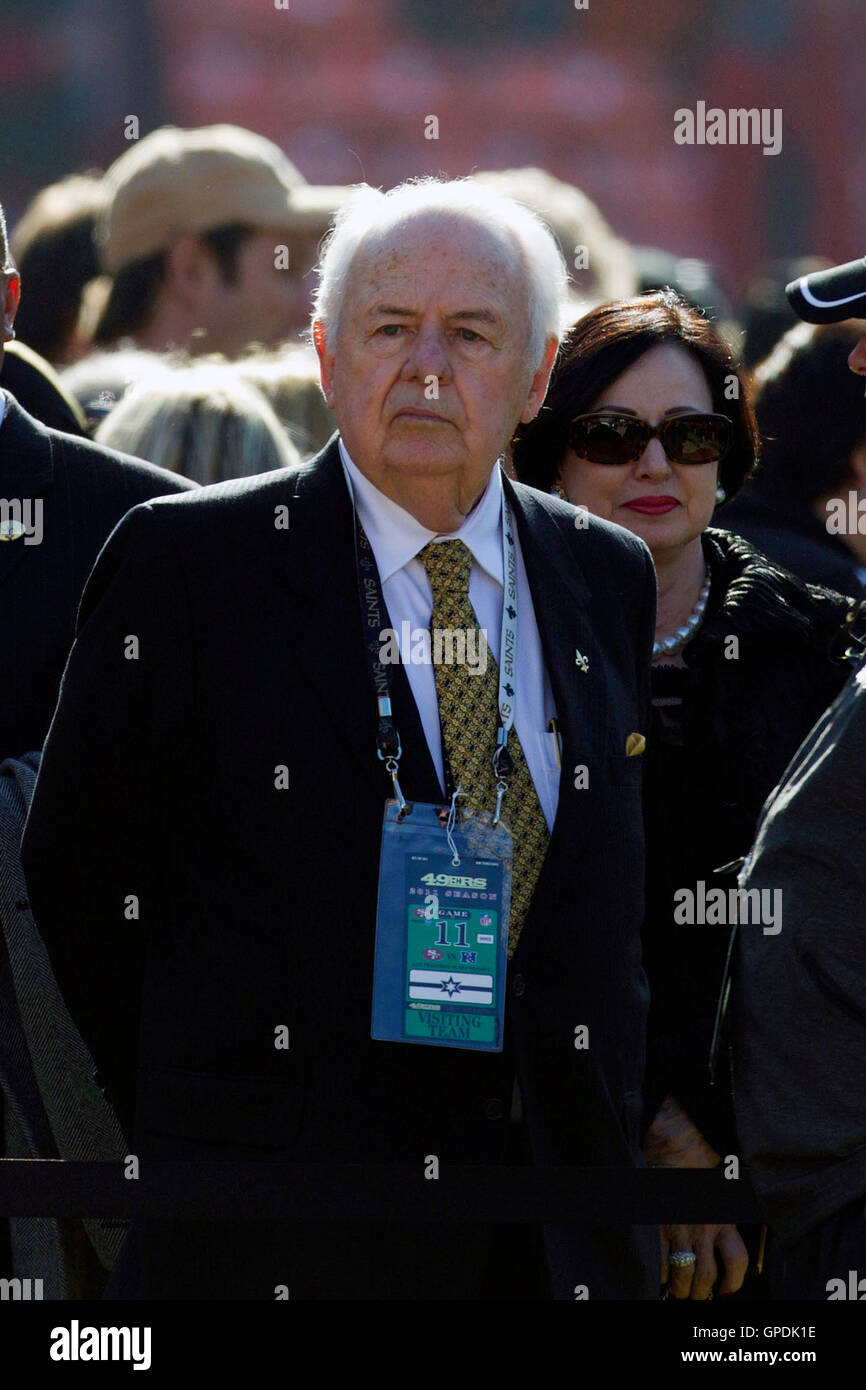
x,y
486,920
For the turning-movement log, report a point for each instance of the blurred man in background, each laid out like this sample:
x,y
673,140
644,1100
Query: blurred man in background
x,y
54,248
210,238
54,253
763,309
61,497
813,458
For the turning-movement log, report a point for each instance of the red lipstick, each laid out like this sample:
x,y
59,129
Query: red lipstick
x,y
652,506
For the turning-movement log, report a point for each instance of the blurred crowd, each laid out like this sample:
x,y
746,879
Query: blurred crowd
x,y
165,310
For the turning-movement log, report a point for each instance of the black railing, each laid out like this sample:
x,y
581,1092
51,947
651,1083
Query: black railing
x,y
372,1192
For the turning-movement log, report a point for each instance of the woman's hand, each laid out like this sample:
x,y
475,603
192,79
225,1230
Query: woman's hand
x,y
696,1280
674,1141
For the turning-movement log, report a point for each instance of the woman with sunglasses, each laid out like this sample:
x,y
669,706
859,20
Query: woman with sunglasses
x,y
647,423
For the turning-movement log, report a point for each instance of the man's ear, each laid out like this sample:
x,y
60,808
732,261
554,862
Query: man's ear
x,y
11,297
538,387
326,361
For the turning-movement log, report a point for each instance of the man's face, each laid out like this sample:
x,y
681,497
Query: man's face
x,y
857,359
267,301
428,373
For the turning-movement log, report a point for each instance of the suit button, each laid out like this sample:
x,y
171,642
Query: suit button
x,y
518,986
493,1109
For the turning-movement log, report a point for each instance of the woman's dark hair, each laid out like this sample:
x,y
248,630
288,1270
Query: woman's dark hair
x,y
604,344
130,302
810,412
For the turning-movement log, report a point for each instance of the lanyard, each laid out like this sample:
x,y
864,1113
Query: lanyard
x,y
374,620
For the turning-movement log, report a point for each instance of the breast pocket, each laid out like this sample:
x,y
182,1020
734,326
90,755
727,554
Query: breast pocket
x,y
625,747
547,784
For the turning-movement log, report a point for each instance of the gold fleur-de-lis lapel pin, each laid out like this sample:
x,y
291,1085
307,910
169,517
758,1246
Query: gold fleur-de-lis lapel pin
x,y
581,661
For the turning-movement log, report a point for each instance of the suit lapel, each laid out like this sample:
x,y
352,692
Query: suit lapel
x,y
323,577
26,473
574,661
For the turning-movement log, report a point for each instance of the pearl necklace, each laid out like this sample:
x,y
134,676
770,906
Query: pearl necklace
x,y
669,646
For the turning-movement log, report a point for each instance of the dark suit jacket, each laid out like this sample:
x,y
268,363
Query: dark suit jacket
x,y
799,992
85,490
257,905
54,1108
38,389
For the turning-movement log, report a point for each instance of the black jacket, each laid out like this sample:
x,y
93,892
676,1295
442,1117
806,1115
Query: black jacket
x,y
799,997
84,491
257,905
743,719
39,390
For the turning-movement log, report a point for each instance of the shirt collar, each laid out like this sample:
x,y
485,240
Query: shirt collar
x,y
396,536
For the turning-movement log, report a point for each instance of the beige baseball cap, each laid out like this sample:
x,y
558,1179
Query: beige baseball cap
x,y
173,182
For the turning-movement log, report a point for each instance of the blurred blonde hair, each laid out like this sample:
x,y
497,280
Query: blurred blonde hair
x,y
202,421
576,222
288,377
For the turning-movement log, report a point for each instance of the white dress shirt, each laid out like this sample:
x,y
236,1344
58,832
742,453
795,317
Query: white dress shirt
x,y
396,537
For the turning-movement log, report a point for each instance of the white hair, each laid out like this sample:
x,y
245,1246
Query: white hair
x,y
369,211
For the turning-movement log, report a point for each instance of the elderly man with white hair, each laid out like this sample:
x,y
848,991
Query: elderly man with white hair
x,y
337,844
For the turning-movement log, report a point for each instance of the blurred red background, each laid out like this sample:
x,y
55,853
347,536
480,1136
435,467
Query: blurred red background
x,y
344,87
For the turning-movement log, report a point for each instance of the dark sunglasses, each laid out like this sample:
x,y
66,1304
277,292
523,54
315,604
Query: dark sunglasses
x,y
612,438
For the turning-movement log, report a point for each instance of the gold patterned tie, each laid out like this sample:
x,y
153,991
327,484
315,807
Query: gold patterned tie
x,y
469,718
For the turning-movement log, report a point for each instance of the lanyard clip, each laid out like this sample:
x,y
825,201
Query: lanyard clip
x,y
391,765
501,789
503,766
390,751
503,763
